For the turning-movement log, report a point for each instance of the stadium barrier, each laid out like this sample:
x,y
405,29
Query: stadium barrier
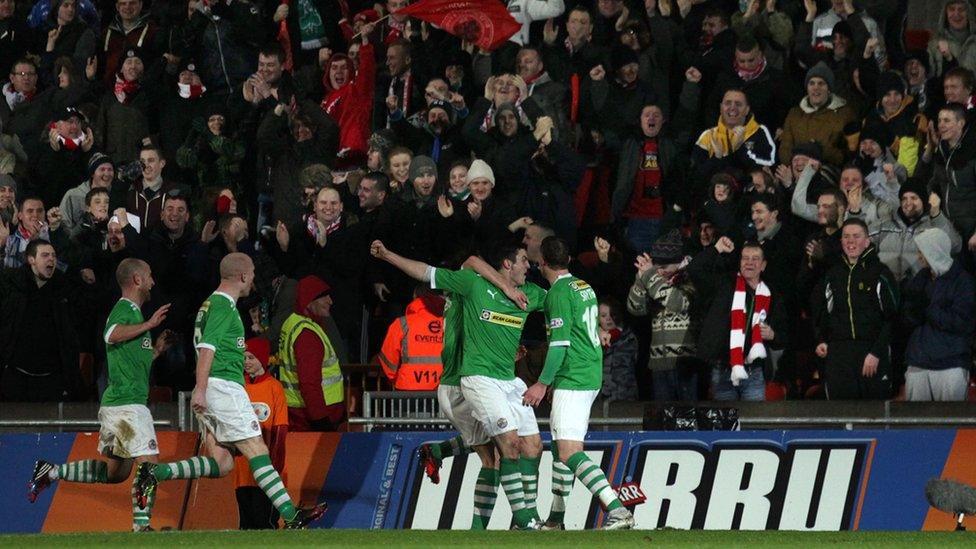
x,y
795,480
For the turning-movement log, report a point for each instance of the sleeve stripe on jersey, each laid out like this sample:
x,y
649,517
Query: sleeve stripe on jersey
x,y
559,344
433,278
108,333
202,345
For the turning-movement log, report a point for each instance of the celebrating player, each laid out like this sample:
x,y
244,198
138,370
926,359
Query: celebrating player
x,y
222,405
127,433
574,368
492,324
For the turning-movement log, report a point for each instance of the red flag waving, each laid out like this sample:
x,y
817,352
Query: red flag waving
x,y
485,23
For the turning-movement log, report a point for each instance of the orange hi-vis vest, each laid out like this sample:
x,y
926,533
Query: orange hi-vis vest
x,y
411,353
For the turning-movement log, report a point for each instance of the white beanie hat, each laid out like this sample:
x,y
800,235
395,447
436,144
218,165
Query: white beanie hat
x,y
481,170
935,246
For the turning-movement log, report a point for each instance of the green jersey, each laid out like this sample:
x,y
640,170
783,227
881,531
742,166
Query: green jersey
x,y
219,328
573,318
491,323
129,361
451,353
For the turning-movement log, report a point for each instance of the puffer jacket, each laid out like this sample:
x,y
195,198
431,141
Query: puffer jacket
x,y
857,302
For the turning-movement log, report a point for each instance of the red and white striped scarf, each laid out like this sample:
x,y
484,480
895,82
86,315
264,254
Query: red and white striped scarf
x,y
737,337
68,143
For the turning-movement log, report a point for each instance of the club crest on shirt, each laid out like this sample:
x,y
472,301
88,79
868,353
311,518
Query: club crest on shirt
x,y
146,343
240,343
262,410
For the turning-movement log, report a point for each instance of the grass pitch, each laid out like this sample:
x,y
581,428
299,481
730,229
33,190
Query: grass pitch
x,y
414,538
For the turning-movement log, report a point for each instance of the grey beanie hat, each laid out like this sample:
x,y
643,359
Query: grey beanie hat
x,y
422,165
823,71
935,246
7,180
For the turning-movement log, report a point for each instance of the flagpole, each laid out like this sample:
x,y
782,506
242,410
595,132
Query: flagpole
x,y
377,22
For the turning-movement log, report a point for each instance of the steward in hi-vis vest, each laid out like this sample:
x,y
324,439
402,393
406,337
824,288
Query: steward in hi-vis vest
x,y
310,370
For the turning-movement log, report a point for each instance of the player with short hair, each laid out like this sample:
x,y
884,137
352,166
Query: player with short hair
x,y
221,404
574,368
492,325
127,433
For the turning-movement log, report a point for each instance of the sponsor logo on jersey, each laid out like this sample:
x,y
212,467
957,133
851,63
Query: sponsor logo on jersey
x,y
502,319
806,485
579,285
555,323
262,410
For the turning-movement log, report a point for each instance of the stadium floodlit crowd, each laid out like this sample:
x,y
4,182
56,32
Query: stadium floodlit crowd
x,y
805,163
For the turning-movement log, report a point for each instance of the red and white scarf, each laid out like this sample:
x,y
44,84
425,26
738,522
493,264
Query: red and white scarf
x,y
748,75
737,337
68,143
125,88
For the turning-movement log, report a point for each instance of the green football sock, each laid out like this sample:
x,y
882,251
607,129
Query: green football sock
x,y
511,481
195,467
268,480
562,485
89,471
529,467
593,478
485,492
450,447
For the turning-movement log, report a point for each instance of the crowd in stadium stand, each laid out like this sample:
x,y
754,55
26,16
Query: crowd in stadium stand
x,y
773,198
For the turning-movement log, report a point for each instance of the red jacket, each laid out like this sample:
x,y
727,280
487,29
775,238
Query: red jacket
x,y
351,106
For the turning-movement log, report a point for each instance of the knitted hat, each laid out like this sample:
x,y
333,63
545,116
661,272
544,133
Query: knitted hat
x,y
668,248
843,28
505,107
187,63
936,248
131,51
260,348
921,56
422,165
810,149
890,81
97,160
879,133
315,175
382,141
481,170
820,70
366,16
914,185
7,180
623,56
444,106
74,112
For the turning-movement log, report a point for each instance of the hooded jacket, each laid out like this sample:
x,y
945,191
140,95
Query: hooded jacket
x,y
895,240
942,310
310,352
411,352
961,44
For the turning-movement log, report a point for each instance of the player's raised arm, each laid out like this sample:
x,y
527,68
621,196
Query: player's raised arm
x,y
417,270
124,332
482,267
